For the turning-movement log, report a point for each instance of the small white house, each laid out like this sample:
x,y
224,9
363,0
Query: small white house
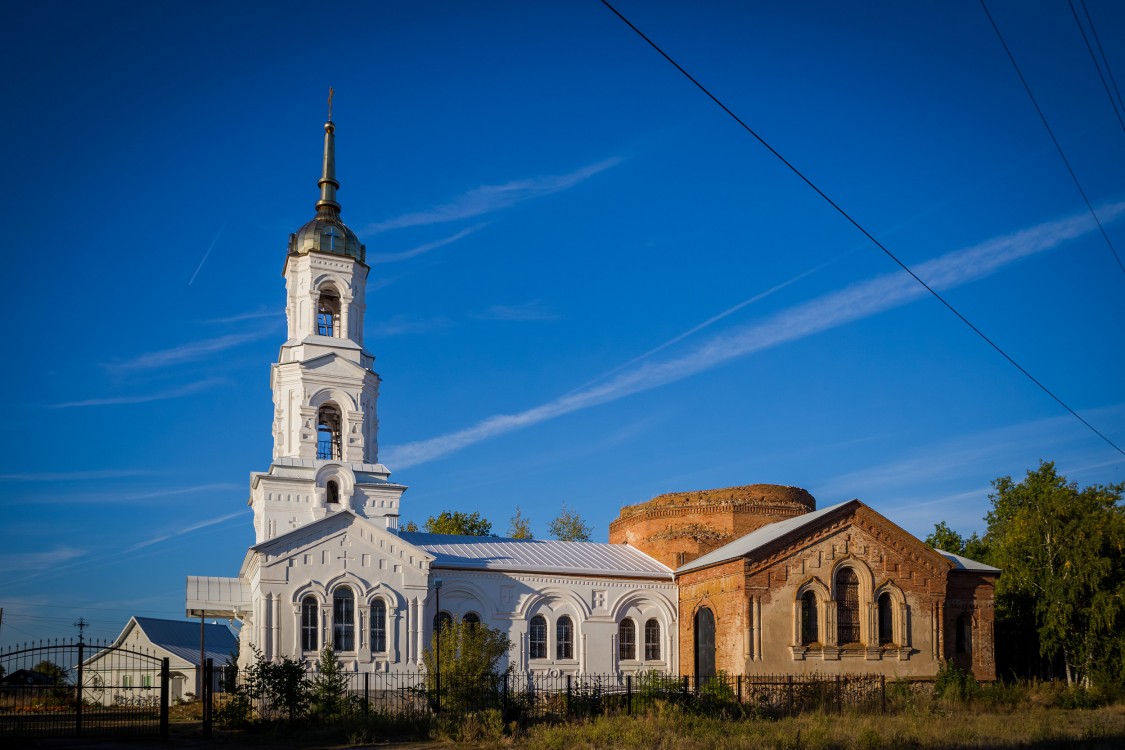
x,y
117,674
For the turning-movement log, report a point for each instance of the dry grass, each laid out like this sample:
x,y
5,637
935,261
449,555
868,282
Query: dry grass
x,y
1025,727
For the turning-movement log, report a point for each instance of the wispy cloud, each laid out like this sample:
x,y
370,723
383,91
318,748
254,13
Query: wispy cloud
x,y
534,310
185,530
404,324
39,560
272,312
423,249
142,398
490,198
74,476
188,352
858,301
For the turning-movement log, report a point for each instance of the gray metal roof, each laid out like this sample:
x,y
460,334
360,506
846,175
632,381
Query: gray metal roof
x,y
181,637
758,538
537,556
964,563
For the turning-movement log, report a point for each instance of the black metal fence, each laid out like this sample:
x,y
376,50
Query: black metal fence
x,y
71,689
537,696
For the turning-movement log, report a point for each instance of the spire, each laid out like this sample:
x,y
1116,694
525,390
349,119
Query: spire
x,y
327,205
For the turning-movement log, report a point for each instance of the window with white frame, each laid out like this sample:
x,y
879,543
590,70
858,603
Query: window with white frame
x,y
343,619
564,638
652,640
537,638
378,626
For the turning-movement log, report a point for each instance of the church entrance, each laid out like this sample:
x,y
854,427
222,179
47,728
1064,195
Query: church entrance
x,y
704,644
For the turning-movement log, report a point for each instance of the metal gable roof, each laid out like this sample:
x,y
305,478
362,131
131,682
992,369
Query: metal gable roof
x,y
181,637
964,563
537,556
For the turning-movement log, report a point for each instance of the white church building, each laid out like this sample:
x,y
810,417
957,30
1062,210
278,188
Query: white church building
x,y
329,564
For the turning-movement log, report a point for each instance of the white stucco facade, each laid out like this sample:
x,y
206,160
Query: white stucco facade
x,y
329,564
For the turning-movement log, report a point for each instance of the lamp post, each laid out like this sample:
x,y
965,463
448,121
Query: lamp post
x,y
437,641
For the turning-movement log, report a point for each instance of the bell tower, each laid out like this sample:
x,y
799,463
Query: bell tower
x,y
325,426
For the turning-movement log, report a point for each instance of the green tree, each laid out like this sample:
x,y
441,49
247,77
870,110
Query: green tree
x,y
328,690
948,540
58,674
456,522
1062,552
410,526
568,526
470,655
278,688
519,527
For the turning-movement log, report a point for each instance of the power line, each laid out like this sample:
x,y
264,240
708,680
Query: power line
x,y
860,227
1105,60
1094,58
1051,133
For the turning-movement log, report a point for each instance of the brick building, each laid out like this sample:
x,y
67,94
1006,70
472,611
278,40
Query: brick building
x,y
768,584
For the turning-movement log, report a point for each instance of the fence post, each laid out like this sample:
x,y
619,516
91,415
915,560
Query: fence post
x,y
164,678
366,693
629,695
790,692
883,692
739,681
505,699
568,696
685,686
78,691
839,705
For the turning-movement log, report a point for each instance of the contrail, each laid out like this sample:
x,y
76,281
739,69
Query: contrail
x,y
217,236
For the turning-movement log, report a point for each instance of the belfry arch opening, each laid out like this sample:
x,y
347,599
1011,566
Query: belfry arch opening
x,y
328,313
328,431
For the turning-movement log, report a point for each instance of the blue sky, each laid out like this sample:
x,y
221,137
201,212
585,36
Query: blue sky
x,y
589,286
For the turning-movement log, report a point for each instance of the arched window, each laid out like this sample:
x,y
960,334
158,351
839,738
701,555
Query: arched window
x,y
332,491
443,620
328,313
810,629
343,620
378,626
472,619
310,614
626,641
963,637
652,640
847,607
564,638
328,425
537,638
886,620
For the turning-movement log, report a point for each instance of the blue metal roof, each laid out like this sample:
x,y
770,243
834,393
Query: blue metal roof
x,y
181,637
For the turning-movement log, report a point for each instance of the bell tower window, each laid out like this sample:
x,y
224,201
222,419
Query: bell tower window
x,y
328,433
328,314
332,490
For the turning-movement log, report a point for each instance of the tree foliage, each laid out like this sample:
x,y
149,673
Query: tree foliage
x,y
948,540
568,526
519,526
328,689
469,657
457,522
1062,551
58,674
